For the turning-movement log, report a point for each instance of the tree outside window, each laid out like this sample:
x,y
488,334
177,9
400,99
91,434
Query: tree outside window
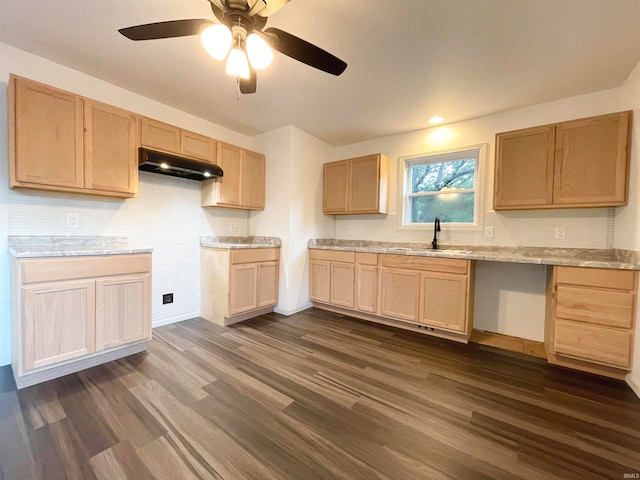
x,y
442,185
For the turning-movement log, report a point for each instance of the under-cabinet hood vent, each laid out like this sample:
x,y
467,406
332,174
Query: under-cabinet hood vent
x,y
175,166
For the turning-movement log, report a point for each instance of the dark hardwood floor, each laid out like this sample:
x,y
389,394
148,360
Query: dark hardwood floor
x,y
318,396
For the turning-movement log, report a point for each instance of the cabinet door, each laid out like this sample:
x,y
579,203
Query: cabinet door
x,y
364,185
242,288
230,160
399,293
335,184
367,288
59,322
443,301
160,136
253,181
592,161
110,149
343,284
48,136
319,280
122,310
524,168
198,146
267,284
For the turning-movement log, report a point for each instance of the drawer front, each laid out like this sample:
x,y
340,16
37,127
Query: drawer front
x,y
68,268
332,255
597,277
363,258
601,307
593,343
252,255
435,264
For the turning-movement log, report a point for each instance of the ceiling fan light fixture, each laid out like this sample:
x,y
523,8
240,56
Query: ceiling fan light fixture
x,y
259,53
237,64
217,40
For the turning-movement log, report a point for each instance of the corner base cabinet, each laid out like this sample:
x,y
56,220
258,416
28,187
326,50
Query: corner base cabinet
x,y
425,294
590,319
238,284
71,313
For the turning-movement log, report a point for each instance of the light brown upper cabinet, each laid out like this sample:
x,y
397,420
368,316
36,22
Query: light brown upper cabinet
x,y
242,186
169,138
63,142
580,163
356,186
110,147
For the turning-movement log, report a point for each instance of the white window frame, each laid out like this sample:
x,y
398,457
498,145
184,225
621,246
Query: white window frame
x,y
404,175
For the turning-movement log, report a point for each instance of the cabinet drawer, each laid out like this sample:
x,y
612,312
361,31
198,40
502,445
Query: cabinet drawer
x,y
332,255
597,277
363,258
604,307
435,264
252,255
56,268
593,343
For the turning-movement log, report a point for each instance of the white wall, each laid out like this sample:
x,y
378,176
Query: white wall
x,y
165,216
627,230
519,288
294,207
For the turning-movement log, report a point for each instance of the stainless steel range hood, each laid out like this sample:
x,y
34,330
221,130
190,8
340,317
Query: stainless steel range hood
x,y
175,166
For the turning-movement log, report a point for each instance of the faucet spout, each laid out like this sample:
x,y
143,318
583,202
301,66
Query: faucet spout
x,y
436,229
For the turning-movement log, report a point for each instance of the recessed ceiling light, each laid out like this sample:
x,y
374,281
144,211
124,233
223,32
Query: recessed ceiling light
x,y
437,119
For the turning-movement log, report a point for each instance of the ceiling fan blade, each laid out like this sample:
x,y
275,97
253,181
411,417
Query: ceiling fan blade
x,y
304,51
264,8
248,85
170,29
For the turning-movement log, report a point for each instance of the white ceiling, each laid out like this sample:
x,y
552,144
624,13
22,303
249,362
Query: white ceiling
x,y
408,59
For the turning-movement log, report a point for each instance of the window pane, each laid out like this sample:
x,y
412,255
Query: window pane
x,y
436,177
450,207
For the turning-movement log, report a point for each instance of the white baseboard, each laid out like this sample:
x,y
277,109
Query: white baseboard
x,y
634,383
293,310
179,318
5,360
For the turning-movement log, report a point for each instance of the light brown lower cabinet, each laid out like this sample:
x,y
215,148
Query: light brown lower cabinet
x,y
237,284
590,319
444,300
400,294
427,294
367,282
332,277
67,311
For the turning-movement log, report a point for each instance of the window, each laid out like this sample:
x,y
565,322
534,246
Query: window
x,y
444,185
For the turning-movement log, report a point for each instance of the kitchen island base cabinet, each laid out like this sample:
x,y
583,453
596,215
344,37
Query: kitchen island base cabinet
x,y
238,284
75,312
590,319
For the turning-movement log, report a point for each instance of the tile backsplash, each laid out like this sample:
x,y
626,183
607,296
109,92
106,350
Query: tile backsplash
x,y
584,228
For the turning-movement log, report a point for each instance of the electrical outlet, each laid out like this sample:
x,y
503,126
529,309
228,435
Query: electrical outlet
x,y
73,220
352,230
488,232
167,298
561,233
232,227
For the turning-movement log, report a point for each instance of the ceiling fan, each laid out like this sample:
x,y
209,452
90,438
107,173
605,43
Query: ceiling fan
x,y
240,38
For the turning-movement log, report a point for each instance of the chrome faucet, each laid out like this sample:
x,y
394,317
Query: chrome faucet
x,y
436,229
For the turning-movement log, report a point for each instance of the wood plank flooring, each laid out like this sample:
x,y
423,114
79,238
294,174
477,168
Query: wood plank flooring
x,y
318,396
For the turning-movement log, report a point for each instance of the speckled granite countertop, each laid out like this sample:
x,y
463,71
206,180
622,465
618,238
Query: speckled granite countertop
x,y
578,257
25,247
240,242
